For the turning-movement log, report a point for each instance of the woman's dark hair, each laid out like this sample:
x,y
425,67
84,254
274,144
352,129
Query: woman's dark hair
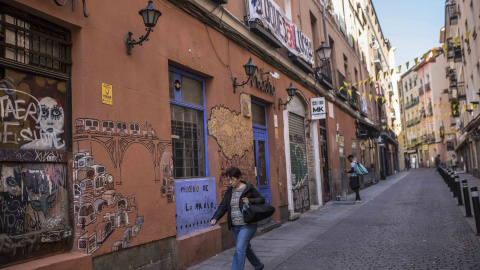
x,y
350,156
233,172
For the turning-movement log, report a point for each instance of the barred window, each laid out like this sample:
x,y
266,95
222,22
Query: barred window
x,y
187,111
32,41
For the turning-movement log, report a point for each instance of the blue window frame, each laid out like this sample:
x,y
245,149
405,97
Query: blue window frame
x,y
188,124
260,140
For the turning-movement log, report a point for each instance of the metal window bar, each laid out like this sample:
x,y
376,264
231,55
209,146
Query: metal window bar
x,y
31,41
187,145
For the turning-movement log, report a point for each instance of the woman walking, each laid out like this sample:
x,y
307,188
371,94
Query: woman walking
x,y
239,193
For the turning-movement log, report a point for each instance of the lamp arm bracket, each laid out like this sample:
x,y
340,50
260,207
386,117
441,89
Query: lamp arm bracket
x,y
235,85
280,102
131,42
142,38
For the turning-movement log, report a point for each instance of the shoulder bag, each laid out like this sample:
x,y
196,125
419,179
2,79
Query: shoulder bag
x,y
253,213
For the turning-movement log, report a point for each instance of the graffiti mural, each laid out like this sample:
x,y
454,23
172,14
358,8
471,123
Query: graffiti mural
x,y
195,204
232,131
32,114
33,207
99,209
299,173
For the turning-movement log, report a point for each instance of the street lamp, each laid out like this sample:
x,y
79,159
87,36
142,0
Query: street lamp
x,y
291,90
150,17
250,70
324,52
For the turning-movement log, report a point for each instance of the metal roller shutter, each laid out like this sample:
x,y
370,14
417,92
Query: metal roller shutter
x,y
298,159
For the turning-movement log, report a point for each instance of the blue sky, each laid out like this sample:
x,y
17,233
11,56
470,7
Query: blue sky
x,y
413,26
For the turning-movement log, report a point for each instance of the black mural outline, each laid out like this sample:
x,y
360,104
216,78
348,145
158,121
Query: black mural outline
x,y
95,195
116,145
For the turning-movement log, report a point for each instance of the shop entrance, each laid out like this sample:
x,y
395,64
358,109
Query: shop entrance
x,y
260,142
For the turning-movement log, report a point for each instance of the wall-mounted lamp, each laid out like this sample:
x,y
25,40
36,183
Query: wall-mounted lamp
x,y
324,52
250,70
291,90
150,17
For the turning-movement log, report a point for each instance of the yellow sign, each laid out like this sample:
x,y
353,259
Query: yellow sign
x,y
107,94
425,147
276,133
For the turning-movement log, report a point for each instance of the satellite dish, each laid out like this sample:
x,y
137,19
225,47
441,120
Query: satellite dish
x,y
376,46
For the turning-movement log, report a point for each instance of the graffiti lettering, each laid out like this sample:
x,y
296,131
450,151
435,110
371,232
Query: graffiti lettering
x,y
301,199
47,114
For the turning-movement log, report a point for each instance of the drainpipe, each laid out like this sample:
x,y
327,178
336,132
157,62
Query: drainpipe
x,y
324,23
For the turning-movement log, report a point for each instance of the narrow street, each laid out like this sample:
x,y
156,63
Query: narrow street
x,y
410,221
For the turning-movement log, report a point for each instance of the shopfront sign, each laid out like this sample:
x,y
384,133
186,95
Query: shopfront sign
x,y
425,147
273,18
318,108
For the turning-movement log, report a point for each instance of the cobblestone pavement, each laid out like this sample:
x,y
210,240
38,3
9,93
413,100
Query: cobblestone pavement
x,y
410,221
414,224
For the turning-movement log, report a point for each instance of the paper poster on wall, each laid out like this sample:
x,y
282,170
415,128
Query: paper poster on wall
x,y
330,110
195,204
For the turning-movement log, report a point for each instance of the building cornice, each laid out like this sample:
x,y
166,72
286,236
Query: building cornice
x,y
235,30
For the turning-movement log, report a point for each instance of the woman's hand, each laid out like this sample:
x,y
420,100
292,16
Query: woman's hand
x,y
245,200
213,222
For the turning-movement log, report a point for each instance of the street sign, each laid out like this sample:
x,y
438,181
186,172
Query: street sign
x,y
107,94
318,108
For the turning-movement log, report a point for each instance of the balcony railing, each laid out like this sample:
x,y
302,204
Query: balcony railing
x,y
452,13
461,91
323,74
420,90
431,137
339,79
417,120
454,52
429,109
412,103
354,99
427,87
378,61
442,132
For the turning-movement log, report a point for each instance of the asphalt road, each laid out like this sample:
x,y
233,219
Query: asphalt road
x,y
413,224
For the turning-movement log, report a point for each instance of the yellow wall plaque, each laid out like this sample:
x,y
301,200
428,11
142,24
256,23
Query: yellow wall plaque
x,y
425,147
107,94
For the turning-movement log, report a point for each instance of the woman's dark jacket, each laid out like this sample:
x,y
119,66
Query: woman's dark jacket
x,y
249,192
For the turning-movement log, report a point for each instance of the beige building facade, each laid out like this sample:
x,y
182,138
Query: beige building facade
x,y
463,72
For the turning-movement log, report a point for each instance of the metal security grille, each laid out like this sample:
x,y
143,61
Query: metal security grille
x,y
187,142
298,160
34,42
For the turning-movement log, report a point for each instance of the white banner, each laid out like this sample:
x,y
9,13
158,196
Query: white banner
x,y
274,19
318,108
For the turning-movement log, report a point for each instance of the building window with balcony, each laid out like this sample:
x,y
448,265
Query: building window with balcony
x,y
188,117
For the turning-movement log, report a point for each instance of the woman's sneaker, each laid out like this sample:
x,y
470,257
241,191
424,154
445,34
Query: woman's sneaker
x,y
358,201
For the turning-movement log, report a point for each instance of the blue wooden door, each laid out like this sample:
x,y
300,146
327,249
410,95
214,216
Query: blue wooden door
x,y
260,139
